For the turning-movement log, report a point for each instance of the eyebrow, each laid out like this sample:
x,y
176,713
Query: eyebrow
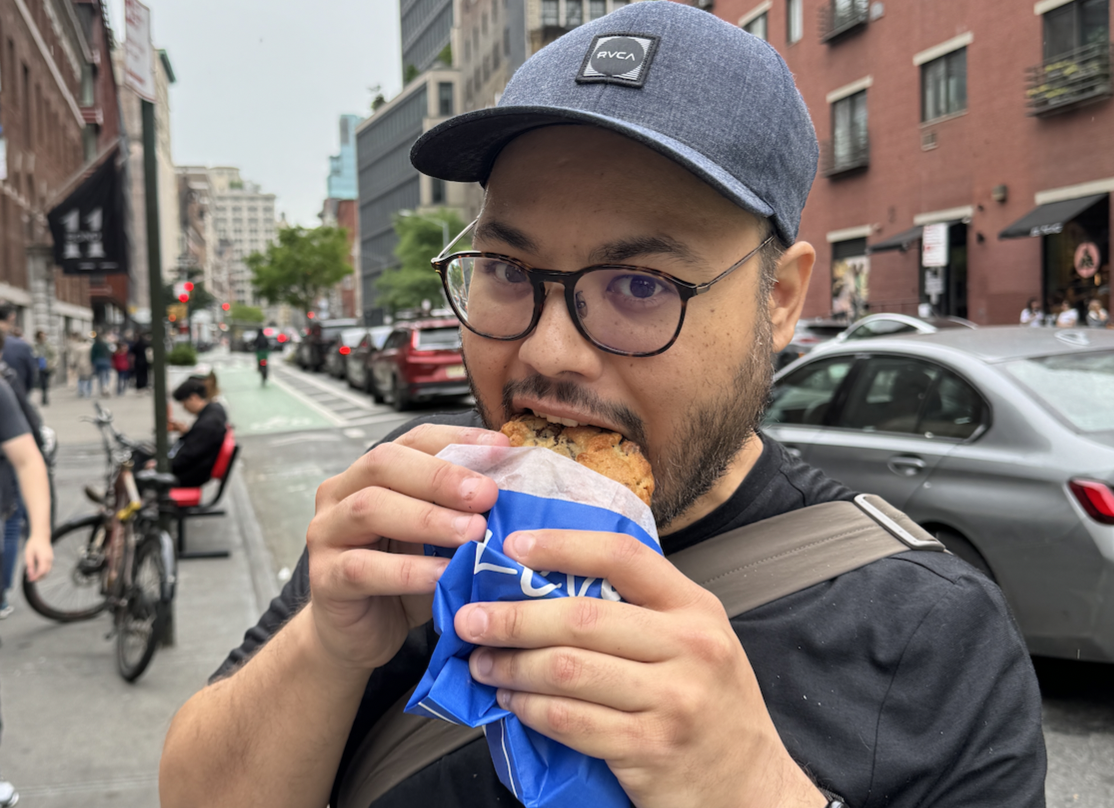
x,y
612,252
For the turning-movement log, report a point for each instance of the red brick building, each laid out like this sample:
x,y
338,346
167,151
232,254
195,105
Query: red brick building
x,y
57,110
994,118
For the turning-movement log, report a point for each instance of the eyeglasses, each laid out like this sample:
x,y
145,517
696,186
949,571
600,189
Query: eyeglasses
x,y
624,310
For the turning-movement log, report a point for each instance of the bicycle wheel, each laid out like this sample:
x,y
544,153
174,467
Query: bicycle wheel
x,y
73,590
140,618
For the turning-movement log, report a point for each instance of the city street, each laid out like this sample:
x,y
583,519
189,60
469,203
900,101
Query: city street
x,y
75,733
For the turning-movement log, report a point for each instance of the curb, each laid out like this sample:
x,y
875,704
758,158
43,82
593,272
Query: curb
x,y
263,580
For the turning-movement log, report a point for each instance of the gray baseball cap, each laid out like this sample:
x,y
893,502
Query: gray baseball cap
x,y
700,91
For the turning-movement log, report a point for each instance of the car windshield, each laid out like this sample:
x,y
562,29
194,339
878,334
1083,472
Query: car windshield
x,y
352,336
1078,387
433,339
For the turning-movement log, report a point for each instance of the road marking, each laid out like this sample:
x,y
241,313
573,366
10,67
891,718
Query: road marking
x,y
307,400
309,437
363,404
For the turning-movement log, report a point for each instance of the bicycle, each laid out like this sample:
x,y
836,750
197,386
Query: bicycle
x,y
118,558
261,365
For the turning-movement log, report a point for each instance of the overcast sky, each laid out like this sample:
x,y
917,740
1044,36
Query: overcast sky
x,y
262,83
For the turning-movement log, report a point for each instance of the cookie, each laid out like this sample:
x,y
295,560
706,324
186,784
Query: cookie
x,y
608,453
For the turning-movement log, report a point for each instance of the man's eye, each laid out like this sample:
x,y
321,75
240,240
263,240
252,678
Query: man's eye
x,y
639,287
505,272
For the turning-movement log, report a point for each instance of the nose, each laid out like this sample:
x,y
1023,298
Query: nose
x,y
555,346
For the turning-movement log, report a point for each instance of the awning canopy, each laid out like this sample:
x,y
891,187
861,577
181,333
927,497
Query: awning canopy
x,y
1047,220
902,241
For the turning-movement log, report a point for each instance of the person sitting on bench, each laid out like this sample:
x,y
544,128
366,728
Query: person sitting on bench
x,y
192,456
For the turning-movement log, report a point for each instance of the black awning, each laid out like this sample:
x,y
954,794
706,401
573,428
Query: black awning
x,y
1046,220
902,241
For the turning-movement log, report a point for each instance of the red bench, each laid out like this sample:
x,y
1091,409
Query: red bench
x,y
187,501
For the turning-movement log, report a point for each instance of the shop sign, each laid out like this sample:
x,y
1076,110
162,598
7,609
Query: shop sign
x,y
139,64
1086,259
934,245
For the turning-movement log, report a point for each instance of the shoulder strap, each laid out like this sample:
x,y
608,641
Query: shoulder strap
x,y
744,568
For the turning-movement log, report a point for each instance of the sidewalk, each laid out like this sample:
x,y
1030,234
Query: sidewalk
x,y
74,732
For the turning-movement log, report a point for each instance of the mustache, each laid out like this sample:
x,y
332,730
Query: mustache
x,y
566,392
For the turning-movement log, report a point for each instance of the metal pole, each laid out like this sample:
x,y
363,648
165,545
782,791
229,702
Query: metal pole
x,y
158,311
154,273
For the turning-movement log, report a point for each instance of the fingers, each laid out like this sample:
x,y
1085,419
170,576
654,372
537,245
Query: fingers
x,y
358,574
374,513
570,672
618,629
590,729
407,466
637,573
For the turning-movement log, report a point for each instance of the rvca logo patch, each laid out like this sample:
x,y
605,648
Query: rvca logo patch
x,y
618,59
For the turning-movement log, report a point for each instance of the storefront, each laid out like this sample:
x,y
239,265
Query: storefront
x,y
942,277
1075,254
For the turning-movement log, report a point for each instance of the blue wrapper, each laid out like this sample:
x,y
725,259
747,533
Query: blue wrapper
x,y
540,772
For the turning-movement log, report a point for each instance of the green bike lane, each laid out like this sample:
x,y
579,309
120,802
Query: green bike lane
x,y
257,409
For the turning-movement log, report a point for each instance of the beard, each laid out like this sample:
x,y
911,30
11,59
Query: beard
x,y
710,433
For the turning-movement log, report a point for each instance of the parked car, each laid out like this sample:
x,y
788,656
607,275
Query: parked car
x,y
890,324
336,361
357,370
807,335
1000,441
315,346
420,360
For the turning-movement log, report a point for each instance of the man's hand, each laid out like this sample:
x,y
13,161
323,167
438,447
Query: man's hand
x,y
38,557
369,579
658,686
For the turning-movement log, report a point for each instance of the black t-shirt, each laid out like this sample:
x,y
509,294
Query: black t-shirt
x,y
12,425
193,455
903,683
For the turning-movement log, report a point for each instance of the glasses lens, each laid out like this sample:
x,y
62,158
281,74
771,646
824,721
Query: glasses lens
x,y
628,311
492,296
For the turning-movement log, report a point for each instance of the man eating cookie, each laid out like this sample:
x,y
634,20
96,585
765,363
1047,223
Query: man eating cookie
x,y
634,268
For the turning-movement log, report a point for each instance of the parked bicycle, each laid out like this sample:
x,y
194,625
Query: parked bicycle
x,y
117,559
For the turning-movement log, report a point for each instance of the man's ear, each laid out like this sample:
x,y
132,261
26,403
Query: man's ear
x,y
794,269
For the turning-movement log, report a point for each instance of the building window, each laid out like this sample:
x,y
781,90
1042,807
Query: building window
x,y
850,146
506,41
445,98
596,9
944,85
1076,25
757,26
574,13
550,13
437,191
496,56
88,81
617,4
795,20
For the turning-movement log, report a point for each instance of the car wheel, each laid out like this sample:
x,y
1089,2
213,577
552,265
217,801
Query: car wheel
x,y
371,388
400,398
960,547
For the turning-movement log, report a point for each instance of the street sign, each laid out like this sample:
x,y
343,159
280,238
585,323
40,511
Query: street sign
x,y
139,62
934,241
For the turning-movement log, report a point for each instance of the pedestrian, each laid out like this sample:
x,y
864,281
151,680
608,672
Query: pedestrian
x,y
1032,315
17,353
622,164
101,356
22,469
1097,316
1066,315
83,365
140,363
122,364
47,358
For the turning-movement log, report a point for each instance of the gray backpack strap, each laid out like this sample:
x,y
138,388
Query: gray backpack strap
x,y
767,560
744,568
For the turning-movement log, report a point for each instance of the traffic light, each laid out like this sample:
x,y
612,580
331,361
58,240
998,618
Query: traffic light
x,y
187,286
182,291
225,306
310,315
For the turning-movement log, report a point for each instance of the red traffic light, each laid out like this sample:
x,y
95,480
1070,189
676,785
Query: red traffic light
x,y
172,318
184,298
226,306
187,286
282,337
310,315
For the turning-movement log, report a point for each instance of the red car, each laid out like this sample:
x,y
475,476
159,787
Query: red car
x,y
420,360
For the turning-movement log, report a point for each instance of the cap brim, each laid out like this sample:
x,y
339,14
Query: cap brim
x,y
464,148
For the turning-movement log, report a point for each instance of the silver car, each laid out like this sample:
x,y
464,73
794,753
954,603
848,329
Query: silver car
x,y
998,440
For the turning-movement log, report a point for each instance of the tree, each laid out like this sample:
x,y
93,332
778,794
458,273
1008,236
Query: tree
x,y
242,313
301,266
421,238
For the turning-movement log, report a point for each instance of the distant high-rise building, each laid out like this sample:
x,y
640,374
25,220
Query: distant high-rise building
x,y
342,167
426,27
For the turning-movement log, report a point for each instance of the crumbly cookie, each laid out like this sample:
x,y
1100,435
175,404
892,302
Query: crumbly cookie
x,y
608,453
